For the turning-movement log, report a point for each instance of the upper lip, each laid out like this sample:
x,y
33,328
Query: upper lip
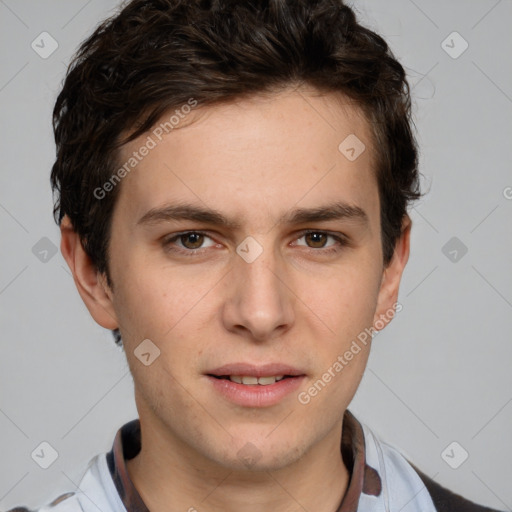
x,y
252,370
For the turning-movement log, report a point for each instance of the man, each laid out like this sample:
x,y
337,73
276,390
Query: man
x,y
233,181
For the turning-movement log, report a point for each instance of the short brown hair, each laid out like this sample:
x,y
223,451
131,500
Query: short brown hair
x,y
154,55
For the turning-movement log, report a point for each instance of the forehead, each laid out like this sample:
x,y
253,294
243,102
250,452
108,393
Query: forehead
x,y
254,156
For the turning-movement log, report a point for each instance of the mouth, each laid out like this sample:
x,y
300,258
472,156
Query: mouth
x,y
248,371
248,385
250,380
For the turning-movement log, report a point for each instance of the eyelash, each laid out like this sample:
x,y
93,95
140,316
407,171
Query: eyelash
x,y
342,242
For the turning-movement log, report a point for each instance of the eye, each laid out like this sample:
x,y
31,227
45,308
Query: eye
x,y
191,243
318,240
187,243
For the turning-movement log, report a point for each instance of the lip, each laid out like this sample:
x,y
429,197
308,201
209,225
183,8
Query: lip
x,y
255,395
251,370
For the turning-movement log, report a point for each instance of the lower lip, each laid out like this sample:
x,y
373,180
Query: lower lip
x,y
256,395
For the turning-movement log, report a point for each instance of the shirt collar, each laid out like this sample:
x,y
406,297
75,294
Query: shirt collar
x,y
363,478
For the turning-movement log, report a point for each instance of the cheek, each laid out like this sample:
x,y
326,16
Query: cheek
x,y
345,300
152,300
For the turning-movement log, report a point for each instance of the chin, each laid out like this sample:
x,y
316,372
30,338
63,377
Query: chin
x,y
258,452
249,460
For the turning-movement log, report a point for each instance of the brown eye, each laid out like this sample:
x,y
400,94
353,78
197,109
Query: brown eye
x,y
192,240
322,242
316,240
189,243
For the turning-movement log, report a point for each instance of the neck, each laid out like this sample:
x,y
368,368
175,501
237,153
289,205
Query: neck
x,y
168,480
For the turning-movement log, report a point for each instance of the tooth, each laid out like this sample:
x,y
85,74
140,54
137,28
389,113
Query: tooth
x,y
251,381
265,381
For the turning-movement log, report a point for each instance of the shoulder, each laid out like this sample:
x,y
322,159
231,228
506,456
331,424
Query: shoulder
x,y
66,502
446,500
96,492
402,479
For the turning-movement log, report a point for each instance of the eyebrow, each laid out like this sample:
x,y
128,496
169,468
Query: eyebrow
x,y
175,212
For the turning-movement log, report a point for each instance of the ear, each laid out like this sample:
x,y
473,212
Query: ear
x,y
91,285
391,277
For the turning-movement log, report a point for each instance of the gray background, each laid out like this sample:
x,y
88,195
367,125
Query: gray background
x,y
441,371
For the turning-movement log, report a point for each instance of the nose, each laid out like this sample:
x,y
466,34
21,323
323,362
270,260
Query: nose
x,y
259,302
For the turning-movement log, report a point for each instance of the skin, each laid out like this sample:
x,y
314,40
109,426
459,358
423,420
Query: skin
x,y
295,303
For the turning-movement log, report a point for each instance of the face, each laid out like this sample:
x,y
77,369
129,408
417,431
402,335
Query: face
x,y
246,244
